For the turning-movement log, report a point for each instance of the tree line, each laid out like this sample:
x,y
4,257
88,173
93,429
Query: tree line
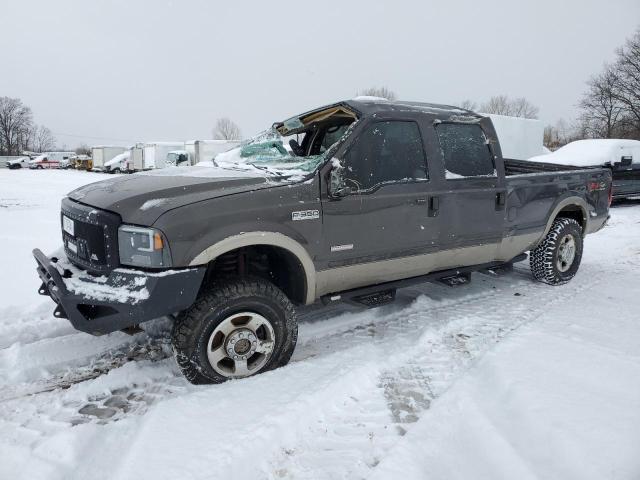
x,y
18,132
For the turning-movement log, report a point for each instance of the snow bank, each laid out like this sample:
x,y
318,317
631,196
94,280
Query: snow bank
x,y
592,153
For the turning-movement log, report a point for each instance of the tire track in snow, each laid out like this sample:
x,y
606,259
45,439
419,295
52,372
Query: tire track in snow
x,y
423,372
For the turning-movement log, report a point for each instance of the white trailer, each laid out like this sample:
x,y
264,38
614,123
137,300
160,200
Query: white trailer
x,y
206,150
136,159
155,153
520,138
101,154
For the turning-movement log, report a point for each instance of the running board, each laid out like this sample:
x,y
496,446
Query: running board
x,y
373,295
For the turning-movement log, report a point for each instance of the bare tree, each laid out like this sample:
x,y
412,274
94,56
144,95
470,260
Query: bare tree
x,y
627,81
602,113
226,129
43,140
558,135
469,105
15,121
382,92
83,149
516,107
611,105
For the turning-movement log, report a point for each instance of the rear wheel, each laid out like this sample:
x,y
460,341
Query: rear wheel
x,y
557,258
238,328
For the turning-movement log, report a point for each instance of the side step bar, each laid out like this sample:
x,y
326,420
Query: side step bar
x,y
383,293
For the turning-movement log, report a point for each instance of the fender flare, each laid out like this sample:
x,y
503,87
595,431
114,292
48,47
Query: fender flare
x,y
275,239
569,201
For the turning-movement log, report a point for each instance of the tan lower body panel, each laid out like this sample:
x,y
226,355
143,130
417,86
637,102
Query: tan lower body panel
x,y
372,273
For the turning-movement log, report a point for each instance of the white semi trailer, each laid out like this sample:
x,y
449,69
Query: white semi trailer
x,y
152,155
101,154
136,159
206,150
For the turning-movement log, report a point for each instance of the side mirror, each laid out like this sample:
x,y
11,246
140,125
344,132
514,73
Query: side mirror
x,y
337,187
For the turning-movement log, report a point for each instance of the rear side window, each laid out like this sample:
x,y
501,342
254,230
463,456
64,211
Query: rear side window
x,y
386,152
465,150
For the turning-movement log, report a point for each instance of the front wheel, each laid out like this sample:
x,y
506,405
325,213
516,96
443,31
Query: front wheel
x,y
238,328
556,259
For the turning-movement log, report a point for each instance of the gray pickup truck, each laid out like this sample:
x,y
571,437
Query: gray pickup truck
x,y
343,203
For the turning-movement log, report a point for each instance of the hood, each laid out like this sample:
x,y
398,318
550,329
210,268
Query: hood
x,y
141,198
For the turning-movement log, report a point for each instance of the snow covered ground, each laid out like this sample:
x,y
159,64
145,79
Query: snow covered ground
x,y
500,378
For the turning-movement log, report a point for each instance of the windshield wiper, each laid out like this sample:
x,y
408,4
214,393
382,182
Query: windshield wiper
x,y
266,169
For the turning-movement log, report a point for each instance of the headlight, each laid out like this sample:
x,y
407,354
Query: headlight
x,y
143,247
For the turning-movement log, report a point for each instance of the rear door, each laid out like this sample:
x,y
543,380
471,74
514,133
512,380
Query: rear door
x,y
474,197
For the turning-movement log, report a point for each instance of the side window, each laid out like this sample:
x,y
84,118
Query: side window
x,y
385,152
331,136
465,150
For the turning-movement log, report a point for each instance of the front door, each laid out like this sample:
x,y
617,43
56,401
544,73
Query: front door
x,y
370,234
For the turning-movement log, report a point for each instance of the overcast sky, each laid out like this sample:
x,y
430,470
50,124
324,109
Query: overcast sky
x,y
123,71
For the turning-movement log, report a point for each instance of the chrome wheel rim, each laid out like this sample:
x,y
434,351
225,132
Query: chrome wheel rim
x,y
566,253
241,345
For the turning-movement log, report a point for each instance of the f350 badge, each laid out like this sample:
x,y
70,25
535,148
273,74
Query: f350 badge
x,y
305,215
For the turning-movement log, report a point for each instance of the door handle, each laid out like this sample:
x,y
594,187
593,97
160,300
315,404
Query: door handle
x,y
501,199
434,206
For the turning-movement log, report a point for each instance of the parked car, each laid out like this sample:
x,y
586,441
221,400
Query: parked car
x,y
370,196
119,163
621,156
22,162
49,160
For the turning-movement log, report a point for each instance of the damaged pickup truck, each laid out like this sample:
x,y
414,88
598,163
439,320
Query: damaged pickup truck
x,y
347,202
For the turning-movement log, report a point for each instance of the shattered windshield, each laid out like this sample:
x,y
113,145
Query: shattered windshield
x,y
269,152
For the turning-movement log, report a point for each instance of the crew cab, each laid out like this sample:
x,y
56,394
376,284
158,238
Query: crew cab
x,y
346,202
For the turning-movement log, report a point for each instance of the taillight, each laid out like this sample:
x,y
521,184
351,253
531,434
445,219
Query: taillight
x,y
610,193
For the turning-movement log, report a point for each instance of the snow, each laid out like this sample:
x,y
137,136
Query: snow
x,y
592,153
203,170
370,98
450,175
154,202
556,401
499,378
122,289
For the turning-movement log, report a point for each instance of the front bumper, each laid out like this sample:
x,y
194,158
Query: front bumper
x,y
124,298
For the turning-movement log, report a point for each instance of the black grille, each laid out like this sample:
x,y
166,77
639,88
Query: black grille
x,y
94,244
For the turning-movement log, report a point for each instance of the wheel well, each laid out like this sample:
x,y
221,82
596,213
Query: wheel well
x,y
275,264
575,212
